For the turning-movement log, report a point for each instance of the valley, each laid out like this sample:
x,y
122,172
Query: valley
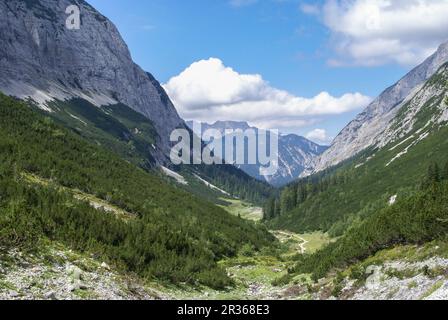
x,y
404,272
48,273
92,206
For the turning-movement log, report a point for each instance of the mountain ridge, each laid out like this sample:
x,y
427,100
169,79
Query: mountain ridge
x,y
364,131
295,153
86,79
46,61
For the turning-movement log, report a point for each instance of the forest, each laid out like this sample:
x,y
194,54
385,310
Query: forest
x,y
175,237
415,219
132,136
334,200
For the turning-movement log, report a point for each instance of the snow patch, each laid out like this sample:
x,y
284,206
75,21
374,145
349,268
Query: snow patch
x,y
405,151
393,200
211,186
77,118
54,92
180,179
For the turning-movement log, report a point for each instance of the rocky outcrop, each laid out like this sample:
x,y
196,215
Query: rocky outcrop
x,y
43,60
56,273
403,280
364,131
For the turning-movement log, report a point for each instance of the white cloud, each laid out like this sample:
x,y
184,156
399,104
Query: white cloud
x,y
209,91
375,32
319,136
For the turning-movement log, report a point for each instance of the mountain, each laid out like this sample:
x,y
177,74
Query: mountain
x,y
42,60
87,81
391,193
414,140
372,128
295,153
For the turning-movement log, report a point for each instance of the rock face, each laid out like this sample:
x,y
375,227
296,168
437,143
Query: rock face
x,y
295,153
43,60
364,131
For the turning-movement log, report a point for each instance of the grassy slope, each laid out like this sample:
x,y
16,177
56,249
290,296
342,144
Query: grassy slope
x,y
132,136
187,234
416,219
117,128
366,184
242,209
369,187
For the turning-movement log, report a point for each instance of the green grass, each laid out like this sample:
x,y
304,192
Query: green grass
x,y
413,220
433,289
242,209
316,241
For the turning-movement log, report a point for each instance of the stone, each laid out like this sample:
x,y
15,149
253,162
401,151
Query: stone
x,y
13,294
50,296
74,272
104,265
75,286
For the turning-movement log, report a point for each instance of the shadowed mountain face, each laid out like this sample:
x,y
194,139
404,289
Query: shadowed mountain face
x,y
43,60
295,153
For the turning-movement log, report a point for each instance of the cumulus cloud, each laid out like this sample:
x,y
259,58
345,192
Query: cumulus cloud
x,y
209,91
319,136
375,32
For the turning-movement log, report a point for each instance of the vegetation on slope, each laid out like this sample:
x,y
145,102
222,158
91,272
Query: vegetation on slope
x,y
133,137
234,181
175,236
418,218
350,192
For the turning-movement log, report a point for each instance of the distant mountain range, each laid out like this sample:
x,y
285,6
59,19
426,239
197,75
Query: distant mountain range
x,y
296,153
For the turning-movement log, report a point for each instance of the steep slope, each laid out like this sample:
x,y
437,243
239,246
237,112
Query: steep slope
x,y
418,218
87,81
368,128
342,196
295,153
169,234
42,60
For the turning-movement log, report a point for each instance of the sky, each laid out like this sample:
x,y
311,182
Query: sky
x,y
305,67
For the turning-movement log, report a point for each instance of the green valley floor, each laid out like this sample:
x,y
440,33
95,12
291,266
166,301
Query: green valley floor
x,y
406,272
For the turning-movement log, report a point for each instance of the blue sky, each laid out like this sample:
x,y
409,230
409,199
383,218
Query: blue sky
x,y
301,48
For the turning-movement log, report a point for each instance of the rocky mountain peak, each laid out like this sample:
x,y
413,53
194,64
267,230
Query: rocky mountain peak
x,y
43,60
363,131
